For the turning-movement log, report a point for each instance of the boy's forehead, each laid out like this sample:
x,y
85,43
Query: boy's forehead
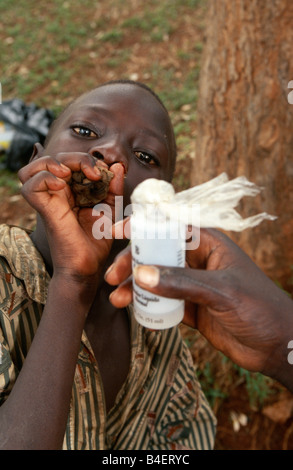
x,y
117,95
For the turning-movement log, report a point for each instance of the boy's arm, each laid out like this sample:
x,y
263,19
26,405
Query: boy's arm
x,y
34,416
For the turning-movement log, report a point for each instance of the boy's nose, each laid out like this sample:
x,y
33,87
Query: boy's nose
x,y
110,154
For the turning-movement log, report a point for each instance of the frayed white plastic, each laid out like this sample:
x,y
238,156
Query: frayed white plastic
x,y
217,199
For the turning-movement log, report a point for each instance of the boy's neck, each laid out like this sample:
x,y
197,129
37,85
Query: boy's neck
x,y
39,239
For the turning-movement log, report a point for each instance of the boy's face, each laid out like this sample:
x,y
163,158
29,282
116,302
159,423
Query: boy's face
x,y
118,123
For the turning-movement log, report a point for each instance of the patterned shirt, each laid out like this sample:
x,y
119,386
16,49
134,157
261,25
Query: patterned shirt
x,y
160,405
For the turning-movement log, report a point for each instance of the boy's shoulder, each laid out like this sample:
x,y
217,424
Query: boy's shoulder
x,y
12,239
12,290
21,265
6,255
13,243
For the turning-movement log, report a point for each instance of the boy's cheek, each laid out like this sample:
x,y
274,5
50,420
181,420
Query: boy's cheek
x,y
63,142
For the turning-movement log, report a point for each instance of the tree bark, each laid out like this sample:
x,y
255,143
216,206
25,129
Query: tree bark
x,y
245,119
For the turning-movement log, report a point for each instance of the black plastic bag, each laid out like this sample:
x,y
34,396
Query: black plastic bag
x,y
29,124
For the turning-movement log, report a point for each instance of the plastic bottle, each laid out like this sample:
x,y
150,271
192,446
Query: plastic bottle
x,y
160,240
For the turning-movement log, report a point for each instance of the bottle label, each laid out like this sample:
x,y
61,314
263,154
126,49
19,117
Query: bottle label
x,y
151,310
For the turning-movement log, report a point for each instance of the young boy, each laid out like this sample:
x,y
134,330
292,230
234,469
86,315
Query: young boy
x,y
76,372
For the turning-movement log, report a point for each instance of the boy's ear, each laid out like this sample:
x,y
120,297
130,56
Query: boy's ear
x,y
38,151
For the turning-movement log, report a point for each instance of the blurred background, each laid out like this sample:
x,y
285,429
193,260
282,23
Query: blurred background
x,y
222,69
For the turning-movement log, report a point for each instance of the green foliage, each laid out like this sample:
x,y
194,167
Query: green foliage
x,y
46,42
9,180
52,51
211,388
258,387
113,36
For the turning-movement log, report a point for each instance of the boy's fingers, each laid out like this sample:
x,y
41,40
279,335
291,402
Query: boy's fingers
x,y
116,188
117,183
47,164
62,165
204,287
42,182
79,161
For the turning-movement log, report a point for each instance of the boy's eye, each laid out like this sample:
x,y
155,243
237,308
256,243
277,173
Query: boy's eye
x,y
146,158
84,131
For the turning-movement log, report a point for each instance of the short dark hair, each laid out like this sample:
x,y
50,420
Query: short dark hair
x,y
140,84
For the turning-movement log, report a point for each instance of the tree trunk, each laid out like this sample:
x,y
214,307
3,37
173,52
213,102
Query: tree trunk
x,y
245,119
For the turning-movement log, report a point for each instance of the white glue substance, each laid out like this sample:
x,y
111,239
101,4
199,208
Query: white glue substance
x,y
158,224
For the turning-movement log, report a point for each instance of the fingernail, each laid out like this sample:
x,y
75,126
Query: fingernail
x,y
64,167
118,230
109,270
112,295
97,170
147,275
61,181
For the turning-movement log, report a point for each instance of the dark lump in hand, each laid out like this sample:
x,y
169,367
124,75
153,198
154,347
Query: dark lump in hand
x,y
89,193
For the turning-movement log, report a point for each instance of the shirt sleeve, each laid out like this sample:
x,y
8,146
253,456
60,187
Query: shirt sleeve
x,y
7,370
7,367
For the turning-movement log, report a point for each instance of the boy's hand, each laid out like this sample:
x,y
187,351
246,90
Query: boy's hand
x,y
228,299
73,248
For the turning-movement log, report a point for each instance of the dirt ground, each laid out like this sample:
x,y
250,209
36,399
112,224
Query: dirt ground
x,y
241,425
